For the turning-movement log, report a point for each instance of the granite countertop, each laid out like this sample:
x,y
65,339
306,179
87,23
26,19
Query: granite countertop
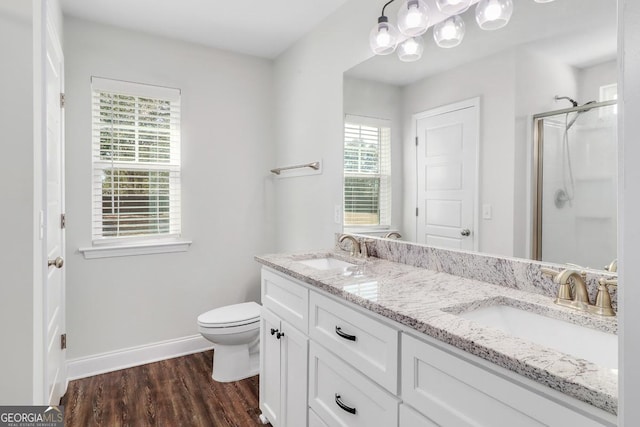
x,y
428,302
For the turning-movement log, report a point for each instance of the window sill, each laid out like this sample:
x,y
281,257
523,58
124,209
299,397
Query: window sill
x,y
147,248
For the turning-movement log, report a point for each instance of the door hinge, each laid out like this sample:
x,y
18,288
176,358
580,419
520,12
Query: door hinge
x,y
62,100
416,211
63,341
63,221
416,141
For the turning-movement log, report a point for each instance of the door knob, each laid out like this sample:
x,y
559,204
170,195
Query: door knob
x,y
57,263
465,232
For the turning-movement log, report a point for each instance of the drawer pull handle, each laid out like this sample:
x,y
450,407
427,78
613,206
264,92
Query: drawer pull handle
x,y
343,406
273,331
343,335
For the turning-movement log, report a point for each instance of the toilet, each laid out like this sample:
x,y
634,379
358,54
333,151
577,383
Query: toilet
x,y
234,331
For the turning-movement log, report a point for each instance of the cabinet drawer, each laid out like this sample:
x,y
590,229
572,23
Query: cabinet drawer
x,y
411,418
365,343
341,396
286,298
454,392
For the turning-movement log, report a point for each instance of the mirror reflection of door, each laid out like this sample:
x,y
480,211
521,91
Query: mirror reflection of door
x,y
447,152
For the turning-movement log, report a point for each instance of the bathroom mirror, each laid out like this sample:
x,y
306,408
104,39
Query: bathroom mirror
x,y
469,148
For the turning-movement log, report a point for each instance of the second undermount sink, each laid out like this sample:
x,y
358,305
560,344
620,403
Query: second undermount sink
x,y
595,346
327,263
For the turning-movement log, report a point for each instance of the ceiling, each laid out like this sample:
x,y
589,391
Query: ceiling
x,y
254,27
581,33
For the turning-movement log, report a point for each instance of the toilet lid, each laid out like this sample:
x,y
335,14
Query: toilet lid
x,y
231,315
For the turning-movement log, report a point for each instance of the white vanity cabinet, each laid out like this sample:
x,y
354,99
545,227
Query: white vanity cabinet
x,y
339,365
283,352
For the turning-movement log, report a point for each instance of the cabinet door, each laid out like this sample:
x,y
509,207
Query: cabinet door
x,y
270,396
294,362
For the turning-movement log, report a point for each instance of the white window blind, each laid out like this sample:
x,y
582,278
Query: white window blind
x,y
367,172
136,161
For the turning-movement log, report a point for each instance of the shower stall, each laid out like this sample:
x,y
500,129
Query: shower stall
x,y
575,185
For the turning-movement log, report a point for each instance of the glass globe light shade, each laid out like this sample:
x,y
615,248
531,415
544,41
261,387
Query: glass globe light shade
x,y
411,49
453,7
450,32
383,38
493,14
413,18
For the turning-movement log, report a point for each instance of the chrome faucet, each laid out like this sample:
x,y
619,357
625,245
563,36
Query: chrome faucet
x,y
355,245
573,293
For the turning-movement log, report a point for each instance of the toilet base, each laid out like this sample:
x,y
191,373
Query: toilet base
x,y
235,362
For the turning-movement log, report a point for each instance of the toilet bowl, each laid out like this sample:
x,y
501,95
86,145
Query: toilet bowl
x,y
234,331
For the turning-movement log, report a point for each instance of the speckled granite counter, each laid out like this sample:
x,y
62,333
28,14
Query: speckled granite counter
x,y
428,302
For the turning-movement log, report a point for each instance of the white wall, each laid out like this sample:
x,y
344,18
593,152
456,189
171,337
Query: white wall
x,y
591,78
227,151
16,175
629,212
380,100
308,96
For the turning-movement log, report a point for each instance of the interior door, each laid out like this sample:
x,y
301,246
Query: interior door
x,y
54,286
447,157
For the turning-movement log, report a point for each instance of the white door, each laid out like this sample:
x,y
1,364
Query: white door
x,y
54,286
447,157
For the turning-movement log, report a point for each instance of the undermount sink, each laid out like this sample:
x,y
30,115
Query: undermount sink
x,y
595,346
327,263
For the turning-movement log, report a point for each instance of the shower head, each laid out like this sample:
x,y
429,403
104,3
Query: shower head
x,y
577,114
571,100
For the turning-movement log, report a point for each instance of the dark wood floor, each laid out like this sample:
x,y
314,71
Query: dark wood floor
x,y
175,392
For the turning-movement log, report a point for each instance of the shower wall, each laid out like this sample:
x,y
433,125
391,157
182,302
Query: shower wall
x,y
583,229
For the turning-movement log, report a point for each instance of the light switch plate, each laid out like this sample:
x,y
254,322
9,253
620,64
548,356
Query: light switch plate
x,y
337,214
487,211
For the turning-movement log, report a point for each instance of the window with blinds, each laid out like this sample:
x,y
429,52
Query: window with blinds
x,y
367,172
136,161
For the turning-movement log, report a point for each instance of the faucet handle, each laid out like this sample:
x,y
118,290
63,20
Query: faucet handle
x,y
549,272
602,306
607,282
564,290
364,249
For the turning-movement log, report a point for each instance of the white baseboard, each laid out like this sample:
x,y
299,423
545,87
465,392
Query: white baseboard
x,y
134,356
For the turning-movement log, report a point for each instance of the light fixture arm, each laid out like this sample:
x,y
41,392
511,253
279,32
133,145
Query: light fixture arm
x,y
385,6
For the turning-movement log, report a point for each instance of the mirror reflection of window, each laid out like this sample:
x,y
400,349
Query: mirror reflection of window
x,y
609,93
367,173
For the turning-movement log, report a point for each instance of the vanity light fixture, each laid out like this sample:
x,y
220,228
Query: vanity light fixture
x,y
453,7
411,49
493,14
413,18
450,32
413,21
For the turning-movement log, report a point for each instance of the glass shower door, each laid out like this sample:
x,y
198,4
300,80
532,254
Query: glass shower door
x,y
576,195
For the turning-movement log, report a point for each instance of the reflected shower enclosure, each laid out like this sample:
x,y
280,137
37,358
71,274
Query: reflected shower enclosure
x,y
575,183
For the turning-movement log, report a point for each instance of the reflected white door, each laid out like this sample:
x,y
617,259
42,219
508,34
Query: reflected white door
x,y
54,287
447,157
